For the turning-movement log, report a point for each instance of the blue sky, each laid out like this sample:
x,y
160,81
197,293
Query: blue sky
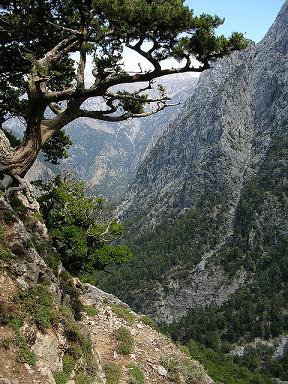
x,y
251,16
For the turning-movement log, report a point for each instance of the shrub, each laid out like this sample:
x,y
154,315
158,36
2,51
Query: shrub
x,y
60,377
38,303
5,343
124,341
73,223
91,311
68,288
5,316
83,378
136,374
180,369
25,354
17,205
113,373
148,321
5,253
7,216
124,313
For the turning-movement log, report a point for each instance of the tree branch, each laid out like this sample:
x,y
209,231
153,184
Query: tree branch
x,y
70,93
100,115
73,31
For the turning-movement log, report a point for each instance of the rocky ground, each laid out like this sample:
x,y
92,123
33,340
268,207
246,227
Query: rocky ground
x,y
43,341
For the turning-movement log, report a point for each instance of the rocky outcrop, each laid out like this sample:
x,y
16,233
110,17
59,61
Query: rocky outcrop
x,y
195,182
55,330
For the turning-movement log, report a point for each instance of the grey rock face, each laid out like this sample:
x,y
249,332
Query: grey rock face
x,y
210,153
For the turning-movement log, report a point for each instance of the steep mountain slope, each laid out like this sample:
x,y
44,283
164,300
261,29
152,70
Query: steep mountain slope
x,y
55,330
106,155
208,211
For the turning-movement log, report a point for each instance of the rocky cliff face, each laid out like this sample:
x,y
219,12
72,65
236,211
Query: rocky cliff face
x,y
55,330
227,147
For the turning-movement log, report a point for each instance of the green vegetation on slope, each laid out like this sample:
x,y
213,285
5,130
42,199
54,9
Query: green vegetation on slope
x,y
79,229
260,246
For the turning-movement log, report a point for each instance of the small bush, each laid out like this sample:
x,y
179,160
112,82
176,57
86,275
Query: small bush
x,y
113,373
148,321
52,261
136,374
60,377
91,311
83,378
124,341
68,364
5,343
25,354
7,216
86,278
5,316
17,205
38,303
5,253
179,369
38,216
68,288
124,313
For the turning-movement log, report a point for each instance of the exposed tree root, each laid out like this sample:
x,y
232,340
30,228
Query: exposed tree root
x,y
6,182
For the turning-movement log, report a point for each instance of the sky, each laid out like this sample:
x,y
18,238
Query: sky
x,y
252,17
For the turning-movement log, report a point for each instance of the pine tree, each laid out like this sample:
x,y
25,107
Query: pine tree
x,y
38,37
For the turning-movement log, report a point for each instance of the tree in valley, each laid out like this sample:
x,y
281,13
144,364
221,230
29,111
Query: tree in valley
x,y
40,40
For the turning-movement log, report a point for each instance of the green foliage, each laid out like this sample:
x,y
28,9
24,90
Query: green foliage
x,y
180,369
149,321
32,29
2,232
124,313
260,358
38,303
83,378
25,354
91,311
112,372
7,216
79,352
5,316
52,261
5,253
57,147
17,205
221,368
124,340
133,104
78,229
5,343
181,242
136,375
60,378
68,288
